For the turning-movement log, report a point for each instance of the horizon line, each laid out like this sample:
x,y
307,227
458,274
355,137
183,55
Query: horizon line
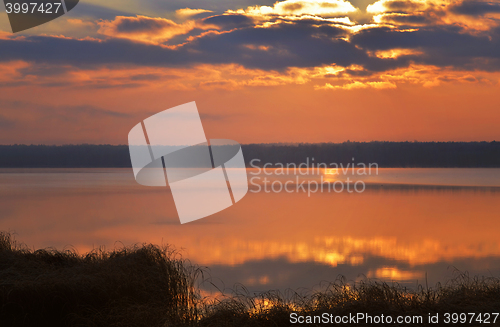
x,y
269,144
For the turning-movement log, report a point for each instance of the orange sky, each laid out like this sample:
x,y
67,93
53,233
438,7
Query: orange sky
x,y
289,71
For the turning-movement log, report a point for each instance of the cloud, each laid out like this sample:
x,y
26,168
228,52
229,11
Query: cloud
x,y
408,33
416,19
409,13
440,46
290,46
305,43
5,122
93,112
473,8
62,123
188,12
219,117
144,29
63,113
472,16
323,8
358,85
230,21
397,6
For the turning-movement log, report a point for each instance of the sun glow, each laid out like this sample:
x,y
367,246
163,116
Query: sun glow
x,y
395,274
331,171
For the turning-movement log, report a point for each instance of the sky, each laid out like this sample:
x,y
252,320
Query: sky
x,y
260,71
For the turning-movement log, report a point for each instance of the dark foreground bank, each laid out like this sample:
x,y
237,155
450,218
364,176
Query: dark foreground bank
x,y
152,286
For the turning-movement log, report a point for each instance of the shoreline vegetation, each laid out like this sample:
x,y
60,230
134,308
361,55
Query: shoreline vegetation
x,y
153,286
384,154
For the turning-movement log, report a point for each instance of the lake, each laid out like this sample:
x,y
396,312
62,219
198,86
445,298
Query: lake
x,y
407,225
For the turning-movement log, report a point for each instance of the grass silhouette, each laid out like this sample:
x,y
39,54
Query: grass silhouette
x,y
139,286
153,286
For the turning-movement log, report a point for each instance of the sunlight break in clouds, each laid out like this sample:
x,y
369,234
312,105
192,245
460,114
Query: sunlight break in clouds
x,y
382,6
358,85
395,53
469,14
323,8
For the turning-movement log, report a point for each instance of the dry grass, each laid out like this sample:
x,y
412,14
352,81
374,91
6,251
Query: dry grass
x,y
140,286
152,286
461,294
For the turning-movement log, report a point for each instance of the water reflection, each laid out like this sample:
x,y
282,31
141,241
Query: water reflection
x,y
271,240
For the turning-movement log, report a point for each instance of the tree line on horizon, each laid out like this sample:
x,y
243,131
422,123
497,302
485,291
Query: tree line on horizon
x,y
385,154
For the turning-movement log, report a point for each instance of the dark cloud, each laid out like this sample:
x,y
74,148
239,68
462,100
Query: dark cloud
x,y
289,45
182,38
474,8
471,79
95,112
298,45
85,53
441,46
408,19
226,4
218,6
359,73
402,6
292,43
142,24
5,122
147,77
217,117
45,70
63,113
111,86
230,21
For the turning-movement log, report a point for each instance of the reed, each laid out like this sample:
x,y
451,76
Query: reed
x,y
152,286
140,286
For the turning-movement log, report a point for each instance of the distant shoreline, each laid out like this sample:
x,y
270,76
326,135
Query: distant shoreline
x,y
385,154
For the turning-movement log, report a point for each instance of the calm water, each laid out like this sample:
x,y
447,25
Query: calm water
x,y
407,224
